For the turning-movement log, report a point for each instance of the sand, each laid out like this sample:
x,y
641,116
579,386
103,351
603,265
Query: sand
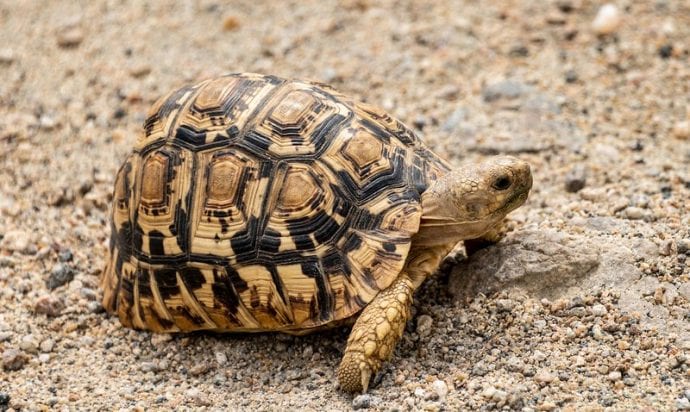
x,y
601,112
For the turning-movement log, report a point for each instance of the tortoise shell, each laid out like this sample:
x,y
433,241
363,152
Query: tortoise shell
x,y
255,203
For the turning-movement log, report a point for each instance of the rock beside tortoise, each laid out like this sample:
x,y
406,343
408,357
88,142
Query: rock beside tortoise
x,y
253,203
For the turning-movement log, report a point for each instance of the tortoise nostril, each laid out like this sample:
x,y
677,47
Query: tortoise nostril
x,y
502,183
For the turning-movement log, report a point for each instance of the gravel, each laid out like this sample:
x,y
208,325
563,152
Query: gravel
x,y
13,359
59,275
584,305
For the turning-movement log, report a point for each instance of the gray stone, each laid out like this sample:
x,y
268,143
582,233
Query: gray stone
x,y
506,89
221,358
456,118
544,263
683,246
684,290
645,248
364,401
553,265
576,178
670,292
59,275
683,404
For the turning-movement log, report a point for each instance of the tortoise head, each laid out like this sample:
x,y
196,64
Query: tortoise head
x,y
468,201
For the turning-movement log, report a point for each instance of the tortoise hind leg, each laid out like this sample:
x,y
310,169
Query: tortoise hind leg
x,y
375,334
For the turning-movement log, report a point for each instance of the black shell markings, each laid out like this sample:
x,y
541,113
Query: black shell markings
x,y
254,203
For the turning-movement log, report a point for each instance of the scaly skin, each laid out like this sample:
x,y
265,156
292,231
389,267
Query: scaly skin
x,y
489,238
375,334
467,203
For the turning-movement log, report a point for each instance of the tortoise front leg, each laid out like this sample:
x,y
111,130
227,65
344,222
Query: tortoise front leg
x,y
375,334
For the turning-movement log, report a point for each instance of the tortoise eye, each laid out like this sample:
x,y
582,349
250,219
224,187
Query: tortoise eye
x,y
502,183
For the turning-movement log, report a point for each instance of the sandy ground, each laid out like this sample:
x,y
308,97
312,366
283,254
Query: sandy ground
x,y
602,119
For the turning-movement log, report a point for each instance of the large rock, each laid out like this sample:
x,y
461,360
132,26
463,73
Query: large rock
x,y
549,264
543,263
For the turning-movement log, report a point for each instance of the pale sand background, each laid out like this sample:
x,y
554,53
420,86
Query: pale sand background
x,y
78,77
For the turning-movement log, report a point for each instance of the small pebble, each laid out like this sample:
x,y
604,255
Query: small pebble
x,y
683,404
424,324
13,359
88,293
86,340
489,392
47,345
607,20
544,377
363,401
571,76
70,37
623,344
614,376
546,406
681,130
28,344
499,396
634,213
59,275
44,357
47,122
575,179
65,255
16,241
148,367
599,310
49,305
308,352
140,70
506,89
231,23
666,51
221,358
95,307
159,339
441,388
7,56
199,369
683,246
505,305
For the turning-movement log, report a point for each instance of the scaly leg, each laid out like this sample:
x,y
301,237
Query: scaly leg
x,y
375,334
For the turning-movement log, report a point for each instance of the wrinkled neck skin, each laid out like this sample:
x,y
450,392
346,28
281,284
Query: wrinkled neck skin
x,y
423,262
433,243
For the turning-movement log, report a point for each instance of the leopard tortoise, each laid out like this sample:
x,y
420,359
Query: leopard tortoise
x,y
252,203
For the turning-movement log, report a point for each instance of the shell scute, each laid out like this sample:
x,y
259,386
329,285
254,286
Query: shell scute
x,y
253,203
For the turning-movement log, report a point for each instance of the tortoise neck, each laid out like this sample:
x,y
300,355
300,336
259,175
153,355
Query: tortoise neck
x,y
423,261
